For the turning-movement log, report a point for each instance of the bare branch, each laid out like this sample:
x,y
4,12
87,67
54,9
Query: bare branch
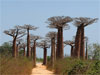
x,y
59,21
29,27
84,20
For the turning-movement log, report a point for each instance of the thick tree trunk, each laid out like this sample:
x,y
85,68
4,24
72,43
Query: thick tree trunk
x,y
77,43
28,44
34,54
86,52
82,51
45,56
72,51
57,47
32,51
52,51
60,43
14,47
17,47
24,52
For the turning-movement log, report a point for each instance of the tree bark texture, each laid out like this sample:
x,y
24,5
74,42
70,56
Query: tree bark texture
x,y
82,51
60,43
78,42
24,52
86,52
14,48
28,44
52,51
34,54
45,56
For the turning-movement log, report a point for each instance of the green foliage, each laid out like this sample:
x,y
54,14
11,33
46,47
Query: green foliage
x,y
94,69
39,59
72,66
6,48
94,51
48,58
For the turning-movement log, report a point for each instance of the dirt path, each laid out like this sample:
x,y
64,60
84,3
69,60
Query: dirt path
x,y
41,70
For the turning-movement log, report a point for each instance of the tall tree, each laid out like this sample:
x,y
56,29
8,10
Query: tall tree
x,y
52,36
23,46
34,38
15,33
70,43
86,53
18,42
81,23
44,44
60,23
28,27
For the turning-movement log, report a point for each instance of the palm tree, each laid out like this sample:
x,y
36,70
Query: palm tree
x,y
70,43
60,23
81,23
33,39
28,27
52,36
44,44
15,33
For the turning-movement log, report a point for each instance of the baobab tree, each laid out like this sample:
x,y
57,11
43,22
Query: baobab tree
x,y
60,23
15,33
70,43
33,39
23,46
28,27
86,55
44,44
52,35
81,23
18,42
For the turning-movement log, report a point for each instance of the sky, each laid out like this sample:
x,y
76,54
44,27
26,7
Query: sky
x,y
36,12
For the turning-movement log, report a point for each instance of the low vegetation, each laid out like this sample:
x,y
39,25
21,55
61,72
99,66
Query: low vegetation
x,y
12,66
70,66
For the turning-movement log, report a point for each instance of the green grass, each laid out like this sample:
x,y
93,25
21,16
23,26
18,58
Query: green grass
x,y
71,66
18,66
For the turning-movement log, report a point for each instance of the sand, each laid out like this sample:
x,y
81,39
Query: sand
x,y
41,70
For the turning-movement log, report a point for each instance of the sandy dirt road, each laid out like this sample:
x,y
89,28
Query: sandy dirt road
x,y
41,70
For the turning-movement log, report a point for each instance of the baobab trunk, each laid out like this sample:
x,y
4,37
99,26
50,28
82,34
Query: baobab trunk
x,y
45,56
32,51
72,51
60,43
28,43
24,52
82,51
34,54
77,43
52,51
14,47
57,47
86,52
17,47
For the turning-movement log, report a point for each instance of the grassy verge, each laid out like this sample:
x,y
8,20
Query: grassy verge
x,y
71,66
18,66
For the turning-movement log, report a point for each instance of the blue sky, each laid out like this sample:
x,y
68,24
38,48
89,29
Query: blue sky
x,y
36,12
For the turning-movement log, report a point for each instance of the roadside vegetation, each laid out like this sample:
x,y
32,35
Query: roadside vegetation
x,y
13,66
73,66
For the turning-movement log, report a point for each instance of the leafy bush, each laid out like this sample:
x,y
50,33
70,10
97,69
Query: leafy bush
x,y
72,66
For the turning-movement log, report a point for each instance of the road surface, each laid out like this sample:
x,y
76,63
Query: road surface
x,y
41,70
